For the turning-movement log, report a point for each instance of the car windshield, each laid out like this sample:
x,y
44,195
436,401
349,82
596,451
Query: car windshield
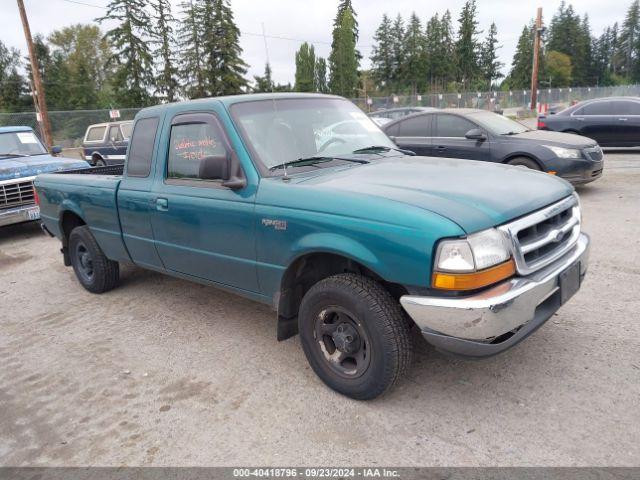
x,y
20,144
280,131
498,124
126,129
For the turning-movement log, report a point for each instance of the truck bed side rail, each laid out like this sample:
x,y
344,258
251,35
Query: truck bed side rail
x,y
107,170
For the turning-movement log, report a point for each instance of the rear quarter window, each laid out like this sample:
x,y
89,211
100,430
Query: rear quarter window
x,y
95,134
141,148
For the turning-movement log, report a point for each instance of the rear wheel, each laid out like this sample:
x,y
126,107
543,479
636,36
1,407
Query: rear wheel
x,y
524,162
99,161
354,335
94,270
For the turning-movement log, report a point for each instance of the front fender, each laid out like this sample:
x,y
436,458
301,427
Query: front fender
x,y
323,242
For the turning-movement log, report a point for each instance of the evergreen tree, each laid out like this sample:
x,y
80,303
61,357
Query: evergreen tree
x,y
382,63
413,69
321,76
305,68
191,50
629,43
224,69
13,86
520,74
343,59
264,83
166,82
397,53
131,58
467,45
489,63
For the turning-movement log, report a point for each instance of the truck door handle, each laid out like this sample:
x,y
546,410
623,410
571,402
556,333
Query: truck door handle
x,y
162,204
441,148
622,119
580,119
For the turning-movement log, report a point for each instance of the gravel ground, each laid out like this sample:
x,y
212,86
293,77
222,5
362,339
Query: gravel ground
x,y
165,372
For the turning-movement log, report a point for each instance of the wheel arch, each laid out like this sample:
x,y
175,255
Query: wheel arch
x,y
69,219
306,270
513,156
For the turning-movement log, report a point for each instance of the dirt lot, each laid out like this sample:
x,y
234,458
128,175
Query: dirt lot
x,y
164,372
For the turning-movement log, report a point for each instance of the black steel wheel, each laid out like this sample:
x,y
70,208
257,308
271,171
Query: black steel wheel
x,y
354,335
94,270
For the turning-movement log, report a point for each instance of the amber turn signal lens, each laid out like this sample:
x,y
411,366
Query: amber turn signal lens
x,y
551,172
472,281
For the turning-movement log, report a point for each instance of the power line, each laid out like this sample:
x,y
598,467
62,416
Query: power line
x,y
253,34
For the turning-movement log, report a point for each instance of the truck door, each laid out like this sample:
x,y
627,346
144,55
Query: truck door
x,y
201,227
135,199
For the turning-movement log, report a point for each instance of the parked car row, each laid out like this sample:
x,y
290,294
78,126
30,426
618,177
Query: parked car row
x,y
301,202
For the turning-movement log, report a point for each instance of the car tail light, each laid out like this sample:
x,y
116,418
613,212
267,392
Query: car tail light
x,y
541,124
36,197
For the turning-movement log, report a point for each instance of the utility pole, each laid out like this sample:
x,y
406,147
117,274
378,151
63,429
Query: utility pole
x,y
41,102
536,59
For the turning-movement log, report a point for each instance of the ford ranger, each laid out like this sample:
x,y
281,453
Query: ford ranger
x,y
351,240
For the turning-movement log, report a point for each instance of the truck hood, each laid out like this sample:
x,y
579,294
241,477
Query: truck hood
x,y
19,167
557,139
474,195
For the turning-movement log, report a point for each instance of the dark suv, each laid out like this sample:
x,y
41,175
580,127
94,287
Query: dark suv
x,y
482,135
106,143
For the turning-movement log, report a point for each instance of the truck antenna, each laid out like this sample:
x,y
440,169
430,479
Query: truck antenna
x,y
275,106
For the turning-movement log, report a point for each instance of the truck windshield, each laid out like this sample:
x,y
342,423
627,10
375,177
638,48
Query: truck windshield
x,y
285,130
20,144
126,129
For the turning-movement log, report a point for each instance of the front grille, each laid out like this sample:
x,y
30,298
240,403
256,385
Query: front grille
x,y
593,153
544,236
596,173
16,194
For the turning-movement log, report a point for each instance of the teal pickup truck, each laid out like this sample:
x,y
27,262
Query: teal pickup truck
x,y
301,202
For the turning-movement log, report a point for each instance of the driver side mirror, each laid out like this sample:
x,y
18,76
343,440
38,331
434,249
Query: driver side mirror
x,y
476,134
218,167
56,150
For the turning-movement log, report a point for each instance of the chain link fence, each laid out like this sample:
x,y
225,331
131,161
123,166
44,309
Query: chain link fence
x,y
496,100
69,127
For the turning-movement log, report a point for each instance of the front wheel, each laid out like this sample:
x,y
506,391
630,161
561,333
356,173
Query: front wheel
x,y
94,270
354,335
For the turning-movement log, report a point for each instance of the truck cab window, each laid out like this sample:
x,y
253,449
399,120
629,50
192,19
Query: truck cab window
x,y
189,144
141,148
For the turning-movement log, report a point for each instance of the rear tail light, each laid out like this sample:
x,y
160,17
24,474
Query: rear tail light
x,y
541,124
36,197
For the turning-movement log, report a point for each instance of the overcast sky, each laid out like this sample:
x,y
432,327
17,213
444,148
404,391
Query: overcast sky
x,y
311,20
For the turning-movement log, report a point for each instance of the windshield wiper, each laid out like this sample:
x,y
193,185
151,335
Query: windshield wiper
x,y
312,161
13,155
382,148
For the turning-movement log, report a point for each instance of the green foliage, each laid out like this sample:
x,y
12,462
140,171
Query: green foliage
x,y
131,58
520,74
262,84
412,71
629,43
189,41
382,65
343,59
162,38
321,84
467,45
13,88
558,68
305,69
489,64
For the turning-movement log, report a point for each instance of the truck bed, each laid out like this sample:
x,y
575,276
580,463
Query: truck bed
x,y
107,170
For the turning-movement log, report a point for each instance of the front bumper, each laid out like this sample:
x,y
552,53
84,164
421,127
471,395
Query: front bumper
x,y
585,174
489,322
23,213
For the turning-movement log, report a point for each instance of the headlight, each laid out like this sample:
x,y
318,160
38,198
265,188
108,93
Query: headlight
x,y
565,152
473,262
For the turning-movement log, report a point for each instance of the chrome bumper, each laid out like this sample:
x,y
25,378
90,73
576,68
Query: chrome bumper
x,y
475,326
23,213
